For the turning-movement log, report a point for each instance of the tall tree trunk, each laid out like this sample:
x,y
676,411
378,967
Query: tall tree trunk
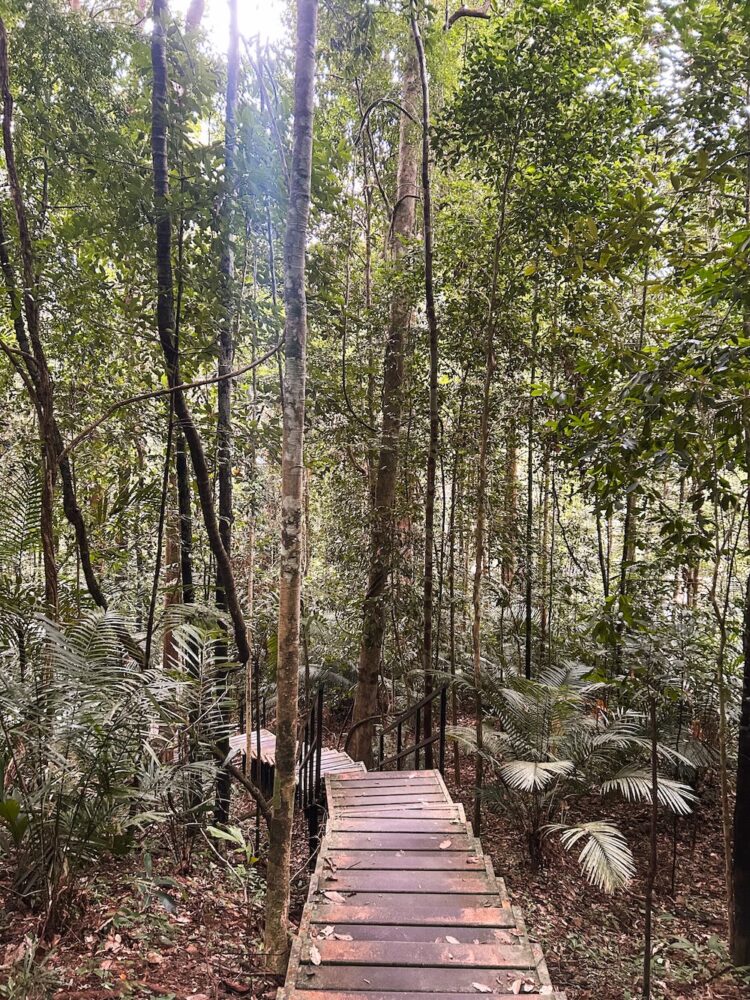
x,y
432,453
484,440
165,320
653,855
530,501
740,942
508,567
35,372
292,488
374,611
224,387
171,573
167,330
543,559
476,625
455,473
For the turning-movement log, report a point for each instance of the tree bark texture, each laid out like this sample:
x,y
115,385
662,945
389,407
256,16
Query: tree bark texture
x,y
292,487
375,607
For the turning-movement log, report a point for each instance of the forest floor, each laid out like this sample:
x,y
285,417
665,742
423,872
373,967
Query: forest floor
x,y
145,927
139,927
593,943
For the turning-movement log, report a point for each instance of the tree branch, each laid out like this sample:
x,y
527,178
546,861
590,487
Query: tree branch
x,y
156,393
464,11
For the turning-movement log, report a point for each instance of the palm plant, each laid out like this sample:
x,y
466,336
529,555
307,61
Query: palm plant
x,y
552,741
91,750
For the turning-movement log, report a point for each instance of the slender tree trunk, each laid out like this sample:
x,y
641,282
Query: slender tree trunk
x,y
652,863
292,475
35,372
508,567
741,860
530,502
171,573
374,611
455,472
432,454
224,388
484,438
167,330
543,559
165,318
185,509
740,940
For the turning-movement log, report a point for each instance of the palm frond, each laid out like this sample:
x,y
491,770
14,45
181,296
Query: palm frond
x,y
606,859
635,785
534,776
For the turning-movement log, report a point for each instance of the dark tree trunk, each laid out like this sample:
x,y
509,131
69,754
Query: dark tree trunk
x,y
185,508
455,473
432,454
653,857
224,387
35,372
165,320
741,858
528,645
740,936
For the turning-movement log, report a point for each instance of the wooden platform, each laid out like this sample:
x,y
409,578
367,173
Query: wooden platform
x,y
332,761
404,905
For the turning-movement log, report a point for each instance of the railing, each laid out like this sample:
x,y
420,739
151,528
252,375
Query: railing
x,y
417,712
310,784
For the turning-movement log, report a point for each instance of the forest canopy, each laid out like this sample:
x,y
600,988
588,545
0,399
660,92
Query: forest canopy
x,y
397,349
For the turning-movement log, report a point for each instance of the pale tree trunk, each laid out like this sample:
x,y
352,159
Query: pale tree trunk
x,y
528,643
292,491
432,453
374,610
171,576
250,568
508,568
543,559
476,622
479,541
455,473
740,891
224,388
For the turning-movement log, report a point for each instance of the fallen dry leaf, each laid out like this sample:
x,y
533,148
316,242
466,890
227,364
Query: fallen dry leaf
x,y
315,955
233,987
335,897
482,988
444,845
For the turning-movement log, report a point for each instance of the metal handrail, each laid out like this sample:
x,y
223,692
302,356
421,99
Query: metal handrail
x,y
418,745
310,766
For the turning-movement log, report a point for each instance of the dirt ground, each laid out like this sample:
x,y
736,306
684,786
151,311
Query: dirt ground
x,y
139,927
593,943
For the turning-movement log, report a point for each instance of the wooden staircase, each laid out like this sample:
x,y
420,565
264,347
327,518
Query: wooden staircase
x,y
404,904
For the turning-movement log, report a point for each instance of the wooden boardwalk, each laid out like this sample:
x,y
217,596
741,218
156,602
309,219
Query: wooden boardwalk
x,y
404,905
332,761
